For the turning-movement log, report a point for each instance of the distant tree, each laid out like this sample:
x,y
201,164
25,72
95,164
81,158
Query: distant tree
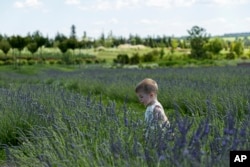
x,y
39,39
36,41
174,44
198,38
32,47
5,46
246,42
238,47
17,42
73,32
49,42
60,37
109,41
215,45
63,46
1,37
72,43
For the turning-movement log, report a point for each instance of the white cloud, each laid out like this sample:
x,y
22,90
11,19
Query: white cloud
x,y
28,4
72,2
230,2
169,3
104,5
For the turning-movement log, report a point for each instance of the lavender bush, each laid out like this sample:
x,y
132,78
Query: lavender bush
x,y
91,117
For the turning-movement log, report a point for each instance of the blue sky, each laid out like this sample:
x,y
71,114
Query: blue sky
x,y
123,17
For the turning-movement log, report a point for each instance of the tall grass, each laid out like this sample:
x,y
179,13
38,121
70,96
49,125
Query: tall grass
x,y
91,117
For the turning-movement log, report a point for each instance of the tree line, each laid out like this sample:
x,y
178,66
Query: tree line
x,y
198,40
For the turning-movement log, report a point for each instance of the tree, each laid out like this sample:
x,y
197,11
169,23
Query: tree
x,y
238,47
5,46
174,44
63,46
215,45
72,43
32,47
73,32
17,42
39,39
198,39
60,37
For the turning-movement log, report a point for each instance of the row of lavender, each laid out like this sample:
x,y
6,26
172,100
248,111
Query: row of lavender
x,y
90,117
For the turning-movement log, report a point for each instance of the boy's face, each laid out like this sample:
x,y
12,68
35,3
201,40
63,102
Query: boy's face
x,y
145,98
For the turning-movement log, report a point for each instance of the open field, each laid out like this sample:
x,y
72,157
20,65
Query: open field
x,y
102,55
79,116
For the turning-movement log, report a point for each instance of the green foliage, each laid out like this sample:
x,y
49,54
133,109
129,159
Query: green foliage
x,y
63,46
32,47
215,45
237,47
17,42
135,59
4,46
72,43
198,39
151,56
174,45
67,58
122,59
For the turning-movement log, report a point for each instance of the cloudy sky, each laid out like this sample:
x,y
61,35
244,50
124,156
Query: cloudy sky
x,y
123,17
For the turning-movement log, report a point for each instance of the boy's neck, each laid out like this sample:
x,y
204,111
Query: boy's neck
x,y
152,102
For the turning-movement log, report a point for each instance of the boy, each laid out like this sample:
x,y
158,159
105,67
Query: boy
x,y
155,116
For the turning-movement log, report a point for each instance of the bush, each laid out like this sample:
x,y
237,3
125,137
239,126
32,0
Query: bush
x,y
31,62
88,61
9,62
1,62
244,57
122,59
22,62
135,59
150,56
67,59
231,55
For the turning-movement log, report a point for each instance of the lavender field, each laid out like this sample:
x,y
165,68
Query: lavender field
x,y
91,117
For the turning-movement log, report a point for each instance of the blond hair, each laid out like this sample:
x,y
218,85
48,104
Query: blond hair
x,y
147,85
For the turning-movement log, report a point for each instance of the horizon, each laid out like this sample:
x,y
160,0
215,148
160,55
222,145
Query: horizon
x,y
124,17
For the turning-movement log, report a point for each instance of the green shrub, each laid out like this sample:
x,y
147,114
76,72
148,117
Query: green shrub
x,y
9,62
31,62
135,59
88,61
150,56
244,57
1,62
231,55
122,59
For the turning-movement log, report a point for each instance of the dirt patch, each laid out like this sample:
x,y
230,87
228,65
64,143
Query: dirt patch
x,y
129,46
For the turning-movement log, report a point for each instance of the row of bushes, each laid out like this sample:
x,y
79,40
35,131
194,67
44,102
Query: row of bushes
x,y
24,60
136,58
